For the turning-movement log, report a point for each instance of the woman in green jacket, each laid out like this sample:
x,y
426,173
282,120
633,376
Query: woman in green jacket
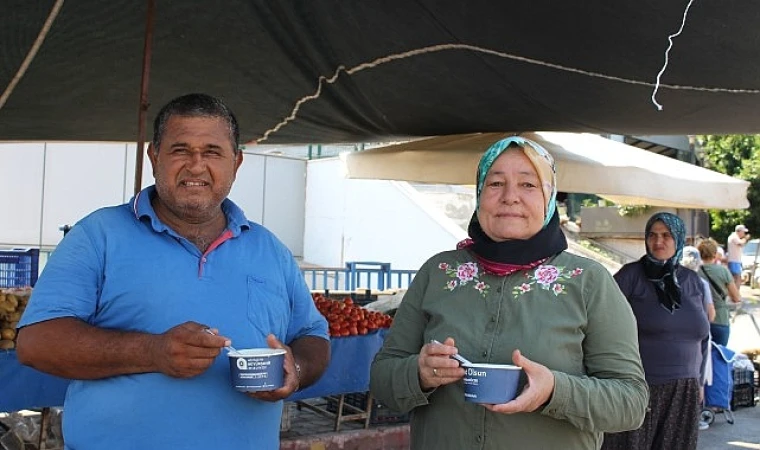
x,y
722,287
513,294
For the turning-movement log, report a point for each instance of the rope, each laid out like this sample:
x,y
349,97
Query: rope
x,y
667,52
323,80
32,52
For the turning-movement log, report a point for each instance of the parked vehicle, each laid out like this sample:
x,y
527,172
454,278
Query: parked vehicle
x,y
750,261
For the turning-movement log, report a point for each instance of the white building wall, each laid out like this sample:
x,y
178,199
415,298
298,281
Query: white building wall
x,y
284,198
370,220
21,174
79,178
46,185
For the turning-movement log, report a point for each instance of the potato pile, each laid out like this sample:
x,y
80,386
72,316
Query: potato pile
x,y
12,304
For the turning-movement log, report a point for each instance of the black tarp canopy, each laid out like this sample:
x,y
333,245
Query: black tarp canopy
x,y
450,67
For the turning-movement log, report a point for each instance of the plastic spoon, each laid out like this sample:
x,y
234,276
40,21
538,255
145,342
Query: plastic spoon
x,y
462,360
229,348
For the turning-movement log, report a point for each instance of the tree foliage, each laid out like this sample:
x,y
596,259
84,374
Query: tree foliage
x,y
736,155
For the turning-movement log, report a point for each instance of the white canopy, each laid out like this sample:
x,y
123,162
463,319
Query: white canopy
x,y
586,163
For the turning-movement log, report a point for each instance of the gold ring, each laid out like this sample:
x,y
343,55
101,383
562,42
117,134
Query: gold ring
x,y
435,372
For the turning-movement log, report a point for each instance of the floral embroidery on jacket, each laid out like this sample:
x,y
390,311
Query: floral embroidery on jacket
x,y
462,275
548,278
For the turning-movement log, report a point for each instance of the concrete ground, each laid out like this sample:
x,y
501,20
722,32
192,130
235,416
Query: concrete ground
x,y
745,432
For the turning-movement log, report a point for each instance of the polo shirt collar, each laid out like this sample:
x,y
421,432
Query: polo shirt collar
x,y
142,207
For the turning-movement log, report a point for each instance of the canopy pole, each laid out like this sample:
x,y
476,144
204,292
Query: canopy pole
x,y
143,108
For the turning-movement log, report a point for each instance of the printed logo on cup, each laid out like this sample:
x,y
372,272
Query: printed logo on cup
x,y
257,369
491,383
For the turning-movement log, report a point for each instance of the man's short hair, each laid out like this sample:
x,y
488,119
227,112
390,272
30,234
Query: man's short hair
x,y
196,105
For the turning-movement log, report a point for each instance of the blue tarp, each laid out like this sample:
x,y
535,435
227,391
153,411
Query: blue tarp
x,y
349,367
22,387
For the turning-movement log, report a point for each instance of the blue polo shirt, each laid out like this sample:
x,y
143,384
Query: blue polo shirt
x,y
121,268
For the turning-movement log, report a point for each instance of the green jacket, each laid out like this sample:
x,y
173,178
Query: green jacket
x,y
567,314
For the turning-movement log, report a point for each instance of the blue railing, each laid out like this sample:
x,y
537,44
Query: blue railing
x,y
325,278
357,275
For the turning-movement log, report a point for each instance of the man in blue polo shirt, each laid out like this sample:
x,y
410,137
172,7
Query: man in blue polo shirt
x,y
125,302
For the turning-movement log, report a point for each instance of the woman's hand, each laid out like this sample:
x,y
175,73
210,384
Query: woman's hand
x,y
537,391
435,366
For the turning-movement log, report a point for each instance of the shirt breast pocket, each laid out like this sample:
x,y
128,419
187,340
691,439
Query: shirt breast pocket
x,y
268,306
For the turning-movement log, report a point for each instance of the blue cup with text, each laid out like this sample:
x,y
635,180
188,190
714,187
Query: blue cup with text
x,y
257,369
491,383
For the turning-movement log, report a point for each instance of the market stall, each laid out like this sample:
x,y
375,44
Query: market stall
x,y
357,334
347,373
349,367
27,388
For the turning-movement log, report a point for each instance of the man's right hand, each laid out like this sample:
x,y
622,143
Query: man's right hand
x,y
186,350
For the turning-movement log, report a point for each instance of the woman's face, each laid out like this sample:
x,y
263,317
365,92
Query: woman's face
x,y
511,204
661,244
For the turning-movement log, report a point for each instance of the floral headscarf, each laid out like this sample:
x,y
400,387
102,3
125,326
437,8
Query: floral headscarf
x,y
542,161
507,257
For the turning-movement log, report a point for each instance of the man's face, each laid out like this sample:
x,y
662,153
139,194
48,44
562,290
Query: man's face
x,y
194,167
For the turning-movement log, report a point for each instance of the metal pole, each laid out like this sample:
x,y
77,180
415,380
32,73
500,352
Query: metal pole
x,y
143,108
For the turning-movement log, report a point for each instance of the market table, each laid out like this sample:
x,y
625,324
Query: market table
x,y
347,373
26,388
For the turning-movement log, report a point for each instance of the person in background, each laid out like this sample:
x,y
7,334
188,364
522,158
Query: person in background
x,y
667,300
720,256
722,287
137,302
512,293
735,246
692,260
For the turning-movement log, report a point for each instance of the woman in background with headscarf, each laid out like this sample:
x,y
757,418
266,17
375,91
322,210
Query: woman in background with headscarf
x,y
667,300
511,293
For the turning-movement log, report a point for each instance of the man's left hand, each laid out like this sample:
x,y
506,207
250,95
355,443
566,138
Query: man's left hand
x,y
290,382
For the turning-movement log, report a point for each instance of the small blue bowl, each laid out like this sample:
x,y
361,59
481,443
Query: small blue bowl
x,y
492,384
257,369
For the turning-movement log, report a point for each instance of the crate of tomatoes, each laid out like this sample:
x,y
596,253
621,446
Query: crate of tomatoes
x,y
346,318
